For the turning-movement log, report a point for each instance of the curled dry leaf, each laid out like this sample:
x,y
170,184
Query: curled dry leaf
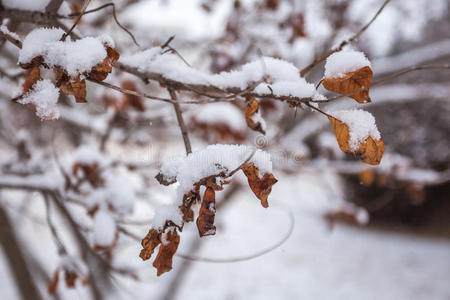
x,y
101,70
32,75
149,243
371,150
89,171
74,86
51,288
261,186
169,244
352,81
132,100
207,213
253,116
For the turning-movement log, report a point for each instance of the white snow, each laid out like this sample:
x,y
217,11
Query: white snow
x,y
87,154
74,57
44,96
38,5
343,62
104,228
211,161
221,113
5,30
361,125
117,196
164,213
284,76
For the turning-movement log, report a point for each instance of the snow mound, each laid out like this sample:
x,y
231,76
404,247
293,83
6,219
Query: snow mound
x,y
361,125
341,63
44,96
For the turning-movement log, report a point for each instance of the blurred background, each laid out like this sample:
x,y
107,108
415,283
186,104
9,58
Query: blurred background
x,y
335,228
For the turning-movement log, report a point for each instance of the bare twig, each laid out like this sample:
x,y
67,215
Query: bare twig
x,y
183,128
80,14
343,43
77,20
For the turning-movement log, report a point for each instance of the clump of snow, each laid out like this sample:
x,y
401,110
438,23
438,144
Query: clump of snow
x,y
104,229
44,96
37,5
343,62
117,196
284,76
361,125
88,155
221,112
164,213
75,57
213,160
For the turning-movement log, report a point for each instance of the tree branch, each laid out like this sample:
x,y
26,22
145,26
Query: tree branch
x,y
183,128
343,43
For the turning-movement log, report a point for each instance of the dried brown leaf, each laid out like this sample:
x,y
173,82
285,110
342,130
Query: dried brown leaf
x,y
371,150
207,213
149,243
261,187
101,70
252,115
169,244
51,288
351,82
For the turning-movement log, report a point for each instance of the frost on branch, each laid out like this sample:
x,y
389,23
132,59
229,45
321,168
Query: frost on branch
x,y
348,71
356,132
282,77
211,168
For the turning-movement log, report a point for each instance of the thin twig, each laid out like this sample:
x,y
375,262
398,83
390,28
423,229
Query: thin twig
x,y
343,43
80,14
183,128
78,19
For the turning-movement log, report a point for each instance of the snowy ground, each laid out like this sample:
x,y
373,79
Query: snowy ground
x,y
315,263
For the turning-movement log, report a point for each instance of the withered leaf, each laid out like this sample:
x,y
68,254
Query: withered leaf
x,y
367,177
371,150
261,187
70,278
70,85
352,81
51,288
169,244
253,117
90,172
132,100
101,70
149,243
207,213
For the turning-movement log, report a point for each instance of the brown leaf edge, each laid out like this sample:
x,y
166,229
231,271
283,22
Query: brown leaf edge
x,y
352,81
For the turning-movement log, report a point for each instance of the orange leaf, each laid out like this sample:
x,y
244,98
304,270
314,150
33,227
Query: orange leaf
x,y
101,70
169,244
371,150
261,187
352,81
253,117
205,220
149,243
71,86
